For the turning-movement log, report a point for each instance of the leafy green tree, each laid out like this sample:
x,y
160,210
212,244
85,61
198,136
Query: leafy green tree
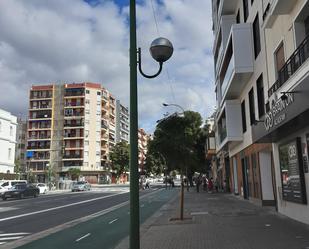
x,y
175,137
155,161
74,173
119,157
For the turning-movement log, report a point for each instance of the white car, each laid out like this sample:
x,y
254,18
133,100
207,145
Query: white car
x,y
2,190
42,187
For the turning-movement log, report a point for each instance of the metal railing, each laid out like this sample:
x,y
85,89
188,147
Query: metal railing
x,y
295,61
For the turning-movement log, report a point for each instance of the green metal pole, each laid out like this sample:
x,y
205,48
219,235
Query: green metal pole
x,y
134,186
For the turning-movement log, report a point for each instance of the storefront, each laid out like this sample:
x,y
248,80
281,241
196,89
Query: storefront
x,y
286,125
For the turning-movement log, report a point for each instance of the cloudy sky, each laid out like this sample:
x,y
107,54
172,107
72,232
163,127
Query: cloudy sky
x,y
43,41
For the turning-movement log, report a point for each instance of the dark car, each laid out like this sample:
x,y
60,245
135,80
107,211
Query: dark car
x,y
21,191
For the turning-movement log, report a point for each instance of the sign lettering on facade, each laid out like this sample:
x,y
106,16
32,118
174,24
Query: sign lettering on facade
x,y
275,116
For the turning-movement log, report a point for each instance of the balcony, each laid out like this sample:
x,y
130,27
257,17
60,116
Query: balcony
x,y
72,157
238,61
229,124
72,164
295,62
227,7
210,147
74,92
275,8
41,95
221,39
40,115
39,137
74,125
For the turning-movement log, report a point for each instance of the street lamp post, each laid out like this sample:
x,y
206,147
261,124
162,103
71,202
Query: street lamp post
x,y
161,50
182,183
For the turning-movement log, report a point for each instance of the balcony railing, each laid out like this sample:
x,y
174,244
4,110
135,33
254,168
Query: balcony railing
x,y
227,76
74,93
38,147
73,124
40,137
72,156
295,61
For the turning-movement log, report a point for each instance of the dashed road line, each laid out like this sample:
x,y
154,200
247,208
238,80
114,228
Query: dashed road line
x,y
9,237
112,221
85,236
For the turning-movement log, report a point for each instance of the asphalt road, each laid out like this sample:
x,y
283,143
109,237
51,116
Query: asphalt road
x,y
22,219
104,231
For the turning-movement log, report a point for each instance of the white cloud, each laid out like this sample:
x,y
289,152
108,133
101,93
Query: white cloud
x,y
71,41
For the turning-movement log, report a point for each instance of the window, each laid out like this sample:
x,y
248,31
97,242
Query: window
x,y
256,36
260,95
98,93
9,154
87,101
246,9
11,130
252,2
279,57
238,17
243,115
87,91
251,106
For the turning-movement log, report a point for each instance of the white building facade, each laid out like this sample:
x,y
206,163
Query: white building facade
x,y
286,123
8,124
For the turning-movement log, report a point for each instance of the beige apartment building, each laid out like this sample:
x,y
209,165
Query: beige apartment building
x,y
260,52
285,125
71,126
143,139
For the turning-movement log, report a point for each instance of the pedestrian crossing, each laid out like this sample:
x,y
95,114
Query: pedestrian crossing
x,y
9,237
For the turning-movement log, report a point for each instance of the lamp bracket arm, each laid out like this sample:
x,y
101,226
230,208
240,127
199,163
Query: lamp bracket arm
x,y
139,62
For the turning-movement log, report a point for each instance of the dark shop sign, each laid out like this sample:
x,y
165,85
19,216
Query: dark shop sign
x,y
277,115
292,172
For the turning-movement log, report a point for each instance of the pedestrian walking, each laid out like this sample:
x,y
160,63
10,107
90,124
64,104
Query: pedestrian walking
x,y
210,185
198,183
205,180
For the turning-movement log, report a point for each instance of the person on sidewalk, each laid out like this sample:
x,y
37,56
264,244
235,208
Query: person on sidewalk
x,y
210,185
198,182
205,180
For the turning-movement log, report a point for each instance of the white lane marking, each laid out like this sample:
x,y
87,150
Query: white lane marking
x,y
267,225
1,243
142,205
85,236
11,238
199,213
112,221
10,234
59,207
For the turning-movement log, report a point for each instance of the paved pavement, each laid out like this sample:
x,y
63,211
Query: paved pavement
x,y
220,221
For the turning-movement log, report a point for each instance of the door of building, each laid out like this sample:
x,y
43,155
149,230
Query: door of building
x,y
245,172
235,175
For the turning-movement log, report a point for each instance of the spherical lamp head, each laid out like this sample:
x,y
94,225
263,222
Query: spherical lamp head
x,y
161,49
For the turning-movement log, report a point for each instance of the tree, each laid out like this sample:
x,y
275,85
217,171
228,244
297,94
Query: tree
x,y
155,161
176,138
74,173
119,157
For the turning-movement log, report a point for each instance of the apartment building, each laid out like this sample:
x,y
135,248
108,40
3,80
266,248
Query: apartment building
x,y
241,78
285,124
143,139
122,127
70,126
21,145
8,124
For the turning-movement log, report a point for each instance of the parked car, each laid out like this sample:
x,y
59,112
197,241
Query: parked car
x,y
9,184
81,186
42,187
21,191
2,190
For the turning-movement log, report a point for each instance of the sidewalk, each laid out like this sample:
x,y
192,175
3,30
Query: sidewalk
x,y
220,221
